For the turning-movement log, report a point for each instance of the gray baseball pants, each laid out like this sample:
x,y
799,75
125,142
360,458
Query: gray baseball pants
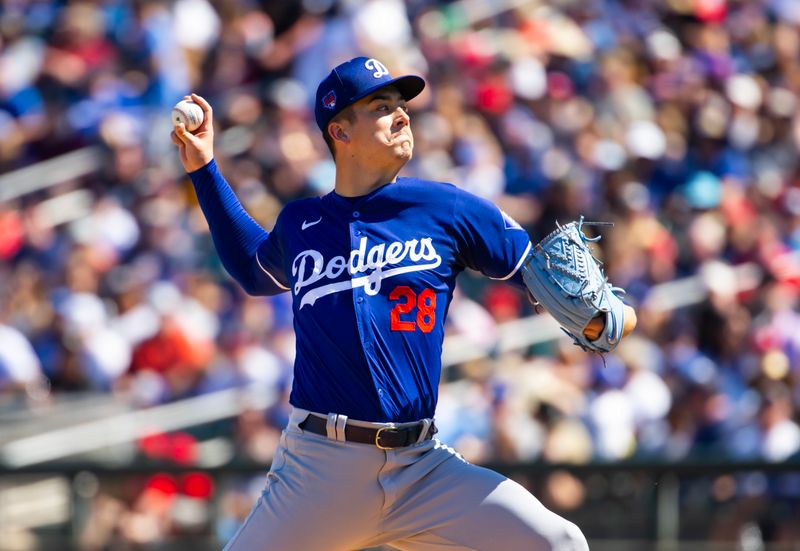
x,y
325,494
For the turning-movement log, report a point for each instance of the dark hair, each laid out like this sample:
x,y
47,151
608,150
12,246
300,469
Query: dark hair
x,y
347,114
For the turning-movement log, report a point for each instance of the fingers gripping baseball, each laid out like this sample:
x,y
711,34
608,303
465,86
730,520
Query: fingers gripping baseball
x,y
196,149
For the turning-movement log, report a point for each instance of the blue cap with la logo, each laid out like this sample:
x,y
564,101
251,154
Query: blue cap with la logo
x,y
354,80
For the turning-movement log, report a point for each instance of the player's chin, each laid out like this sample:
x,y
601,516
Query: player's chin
x,y
404,150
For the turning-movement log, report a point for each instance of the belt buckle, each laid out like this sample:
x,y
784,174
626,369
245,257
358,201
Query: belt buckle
x,y
378,438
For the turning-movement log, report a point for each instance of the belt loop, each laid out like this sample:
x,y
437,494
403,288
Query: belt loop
x,y
341,421
425,428
331,426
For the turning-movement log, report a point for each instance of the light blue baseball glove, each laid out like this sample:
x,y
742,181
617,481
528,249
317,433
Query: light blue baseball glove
x,y
566,279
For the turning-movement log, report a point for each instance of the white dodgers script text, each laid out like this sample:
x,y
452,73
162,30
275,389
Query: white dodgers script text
x,y
310,267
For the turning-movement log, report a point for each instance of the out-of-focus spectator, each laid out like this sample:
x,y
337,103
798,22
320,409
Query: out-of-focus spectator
x,y
19,366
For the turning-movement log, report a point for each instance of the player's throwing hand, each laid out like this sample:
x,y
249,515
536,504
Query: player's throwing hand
x,y
196,149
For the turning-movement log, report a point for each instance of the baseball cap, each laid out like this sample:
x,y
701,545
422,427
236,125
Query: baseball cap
x,y
355,79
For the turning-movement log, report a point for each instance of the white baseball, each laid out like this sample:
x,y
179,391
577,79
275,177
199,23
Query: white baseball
x,y
188,113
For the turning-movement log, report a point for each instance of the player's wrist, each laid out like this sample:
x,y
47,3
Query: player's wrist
x,y
203,175
200,165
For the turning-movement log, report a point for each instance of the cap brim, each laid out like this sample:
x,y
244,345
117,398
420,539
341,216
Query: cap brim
x,y
409,87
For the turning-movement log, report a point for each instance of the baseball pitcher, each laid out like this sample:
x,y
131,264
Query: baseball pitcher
x,y
371,268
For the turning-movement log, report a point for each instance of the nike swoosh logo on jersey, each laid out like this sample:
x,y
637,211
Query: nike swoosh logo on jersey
x,y
307,224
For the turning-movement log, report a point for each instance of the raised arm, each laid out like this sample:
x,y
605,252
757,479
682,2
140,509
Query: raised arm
x,y
237,237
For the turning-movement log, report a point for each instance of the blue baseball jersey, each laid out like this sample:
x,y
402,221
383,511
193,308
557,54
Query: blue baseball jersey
x,y
371,279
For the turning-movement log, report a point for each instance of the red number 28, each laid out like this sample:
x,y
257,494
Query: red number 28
x,y
408,299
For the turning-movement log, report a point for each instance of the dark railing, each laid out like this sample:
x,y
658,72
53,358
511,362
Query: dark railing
x,y
629,505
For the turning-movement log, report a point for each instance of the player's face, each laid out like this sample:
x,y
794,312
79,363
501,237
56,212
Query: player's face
x,y
381,130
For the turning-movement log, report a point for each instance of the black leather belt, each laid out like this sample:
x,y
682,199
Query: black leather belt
x,y
384,438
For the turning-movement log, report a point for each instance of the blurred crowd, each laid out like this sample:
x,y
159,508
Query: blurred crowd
x,y
678,120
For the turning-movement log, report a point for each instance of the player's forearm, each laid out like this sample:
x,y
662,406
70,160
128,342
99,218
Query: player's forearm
x,y
236,235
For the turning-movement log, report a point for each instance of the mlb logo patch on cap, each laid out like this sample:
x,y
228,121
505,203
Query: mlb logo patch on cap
x,y
329,101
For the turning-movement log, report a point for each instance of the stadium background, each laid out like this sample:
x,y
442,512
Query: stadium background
x,y
142,393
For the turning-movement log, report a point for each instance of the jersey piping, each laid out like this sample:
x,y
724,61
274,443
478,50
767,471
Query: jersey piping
x,y
263,269
517,267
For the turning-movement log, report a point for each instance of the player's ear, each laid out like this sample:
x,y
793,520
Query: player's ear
x,y
338,132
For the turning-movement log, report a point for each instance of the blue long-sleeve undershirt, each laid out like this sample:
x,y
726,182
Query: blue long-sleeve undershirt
x,y
236,235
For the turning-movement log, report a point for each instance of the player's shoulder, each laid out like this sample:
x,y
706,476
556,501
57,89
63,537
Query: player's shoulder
x,y
439,192
425,189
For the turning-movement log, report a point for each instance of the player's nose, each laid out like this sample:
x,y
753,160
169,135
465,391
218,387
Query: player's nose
x,y
401,118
